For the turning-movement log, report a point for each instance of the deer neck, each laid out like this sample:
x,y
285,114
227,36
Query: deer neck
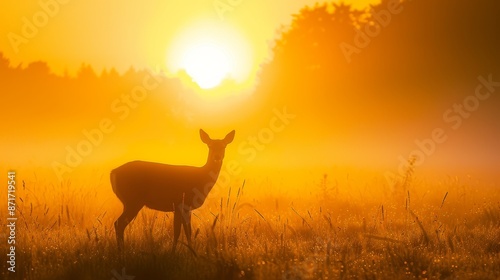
x,y
212,168
209,175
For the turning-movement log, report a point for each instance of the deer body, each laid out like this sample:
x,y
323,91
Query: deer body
x,y
168,188
160,186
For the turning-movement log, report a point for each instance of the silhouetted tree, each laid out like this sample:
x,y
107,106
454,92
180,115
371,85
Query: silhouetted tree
x,y
428,46
86,72
4,66
4,62
38,69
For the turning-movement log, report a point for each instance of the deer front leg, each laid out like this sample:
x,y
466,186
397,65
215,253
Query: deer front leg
x,y
177,227
187,225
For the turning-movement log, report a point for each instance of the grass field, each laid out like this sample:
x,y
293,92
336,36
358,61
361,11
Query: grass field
x,y
258,230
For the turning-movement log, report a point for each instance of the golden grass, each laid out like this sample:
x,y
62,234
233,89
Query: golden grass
x,y
425,231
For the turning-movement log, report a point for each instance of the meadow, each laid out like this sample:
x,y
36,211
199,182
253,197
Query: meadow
x,y
341,84
330,228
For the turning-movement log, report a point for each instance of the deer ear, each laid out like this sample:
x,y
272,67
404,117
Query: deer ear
x,y
229,137
204,137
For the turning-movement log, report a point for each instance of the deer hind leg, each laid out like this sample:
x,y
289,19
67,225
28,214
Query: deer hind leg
x,y
122,222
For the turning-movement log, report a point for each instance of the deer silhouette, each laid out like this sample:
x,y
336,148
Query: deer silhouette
x,y
168,188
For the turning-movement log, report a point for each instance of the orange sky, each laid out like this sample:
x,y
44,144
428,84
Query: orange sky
x,y
111,33
108,34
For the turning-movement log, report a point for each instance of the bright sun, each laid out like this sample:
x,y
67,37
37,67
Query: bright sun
x,y
209,53
207,63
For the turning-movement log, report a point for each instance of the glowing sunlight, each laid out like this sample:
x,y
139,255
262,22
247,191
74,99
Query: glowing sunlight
x,y
207,64
210,53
